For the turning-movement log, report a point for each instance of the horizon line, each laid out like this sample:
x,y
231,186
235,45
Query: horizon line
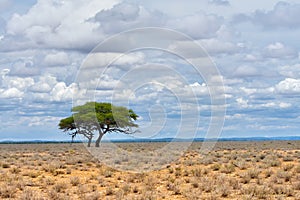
x,y
167,139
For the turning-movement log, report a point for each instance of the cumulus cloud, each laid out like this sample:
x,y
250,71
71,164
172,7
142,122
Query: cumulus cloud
x,y
242,102
273,104
279,50
23,68
215,46
11,93
48,89
57,59
288,86
198,25
251,58
20,83
284,15
189,49
59,93
245,71
49,24
199,89
14,87
126,16
45,89
285,105
290,71
62,92
100,60
44,84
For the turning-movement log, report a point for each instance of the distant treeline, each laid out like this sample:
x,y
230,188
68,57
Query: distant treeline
x,y
291,138
38,142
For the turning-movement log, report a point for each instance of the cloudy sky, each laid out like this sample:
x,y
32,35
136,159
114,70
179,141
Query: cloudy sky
x,y
47,64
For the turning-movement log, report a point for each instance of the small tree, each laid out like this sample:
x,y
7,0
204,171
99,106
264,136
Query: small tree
x,y
98,117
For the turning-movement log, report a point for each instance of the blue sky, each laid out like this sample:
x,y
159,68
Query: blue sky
x,y
46,65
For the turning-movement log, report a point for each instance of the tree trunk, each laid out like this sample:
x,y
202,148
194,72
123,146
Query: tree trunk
x,y
99,139
89,142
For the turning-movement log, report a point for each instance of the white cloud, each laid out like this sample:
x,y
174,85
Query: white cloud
x,y
197,26
44,85
20,83
290,71
235,116
215,46
258,126
24,67
199,89
251,58
126,16
279,50
288,86
283,15
100,60
57,59
11,93
48,89
188,48
245,71
274,104
56,24
61,92
249,91
285,105
242,103
40,88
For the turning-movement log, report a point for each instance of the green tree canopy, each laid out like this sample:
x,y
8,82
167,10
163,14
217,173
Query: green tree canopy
x,y
99,117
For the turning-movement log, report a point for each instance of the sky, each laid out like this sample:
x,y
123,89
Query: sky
x,y
199,59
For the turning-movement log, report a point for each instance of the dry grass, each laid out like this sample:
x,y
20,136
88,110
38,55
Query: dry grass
x,y
232,170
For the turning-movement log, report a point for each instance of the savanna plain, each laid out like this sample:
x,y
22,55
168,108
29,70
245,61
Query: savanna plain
x,y
231,170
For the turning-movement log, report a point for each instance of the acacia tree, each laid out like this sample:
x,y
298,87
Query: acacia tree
x,y
99,117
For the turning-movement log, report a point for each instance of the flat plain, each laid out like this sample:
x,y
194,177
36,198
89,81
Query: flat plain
x,y
232,170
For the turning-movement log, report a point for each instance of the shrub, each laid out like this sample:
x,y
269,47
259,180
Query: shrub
x,y
31,195
92,196
216,167
7,191
60,187
75,180
5,165
253,173
268,173
288,167
228,168
287,159
286,176
245,178
109,191
15,170
261,192
297,169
